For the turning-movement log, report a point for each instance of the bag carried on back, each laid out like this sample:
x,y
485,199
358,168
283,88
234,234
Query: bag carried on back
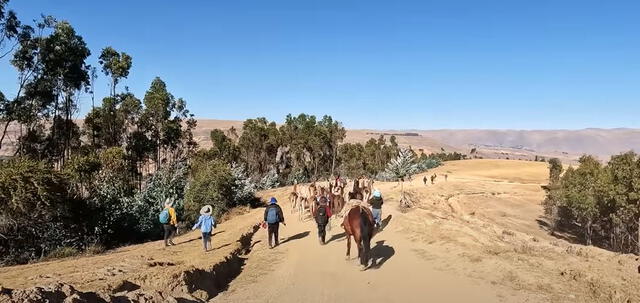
x,y
272,215
164,216
322,217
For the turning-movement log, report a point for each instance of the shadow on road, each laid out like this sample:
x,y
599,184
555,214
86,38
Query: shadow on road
x,y
200,237
563,235
386,221
297,236
337,237
221,246
380,254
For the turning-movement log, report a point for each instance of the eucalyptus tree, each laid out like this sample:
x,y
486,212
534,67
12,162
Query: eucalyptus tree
x,y
115,65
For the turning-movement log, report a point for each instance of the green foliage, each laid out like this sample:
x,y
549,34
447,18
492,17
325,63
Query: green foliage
x,y
167,183
259,144
62,252
162,122
352,160
211,183
244,189
370,159
109,124
403,166
270,180
555,170
444,156
602,201
427,164
36,211
114,64
222,148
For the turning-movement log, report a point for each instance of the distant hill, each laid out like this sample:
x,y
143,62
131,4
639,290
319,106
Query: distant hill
x,y
513,144
599,142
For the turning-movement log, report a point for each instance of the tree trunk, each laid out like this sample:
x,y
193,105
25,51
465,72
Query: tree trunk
x,y
333,161
638,244
588,232
4,132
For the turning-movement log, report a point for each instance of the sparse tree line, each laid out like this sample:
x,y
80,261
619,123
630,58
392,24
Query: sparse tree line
x,y
599,203
102,183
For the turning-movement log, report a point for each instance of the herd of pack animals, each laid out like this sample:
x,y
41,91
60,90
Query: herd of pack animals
x,y
358,219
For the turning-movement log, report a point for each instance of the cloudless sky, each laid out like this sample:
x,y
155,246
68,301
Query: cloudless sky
x,y
374,64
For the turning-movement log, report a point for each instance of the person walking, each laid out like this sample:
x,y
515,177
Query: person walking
x,y
169,222
273,217
376,207
424,180
322,215
207,223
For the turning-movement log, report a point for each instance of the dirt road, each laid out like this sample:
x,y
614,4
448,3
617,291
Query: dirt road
x,y
301,270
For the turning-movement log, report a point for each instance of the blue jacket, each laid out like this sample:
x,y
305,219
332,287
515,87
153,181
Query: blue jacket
x,y
205,222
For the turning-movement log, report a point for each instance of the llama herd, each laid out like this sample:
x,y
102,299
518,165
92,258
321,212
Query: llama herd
x,y
303,198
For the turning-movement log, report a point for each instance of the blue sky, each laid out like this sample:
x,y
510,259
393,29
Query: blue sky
x,y
374,64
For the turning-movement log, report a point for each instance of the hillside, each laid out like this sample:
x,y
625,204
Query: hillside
x,y
480,236
599,142
567,145
514,144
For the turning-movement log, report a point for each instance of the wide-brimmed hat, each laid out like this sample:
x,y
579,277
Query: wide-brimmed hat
x,y
207,209
377,194
273,200
168,202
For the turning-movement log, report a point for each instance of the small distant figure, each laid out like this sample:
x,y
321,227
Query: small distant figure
x,y
433,178
376,208
169,222
206,223
322,215
446,176
273,217
424,180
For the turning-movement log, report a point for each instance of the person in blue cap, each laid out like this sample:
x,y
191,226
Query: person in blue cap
x,y
376,207
273,217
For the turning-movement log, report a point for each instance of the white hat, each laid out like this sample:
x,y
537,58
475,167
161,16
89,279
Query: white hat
x,y
168,202
207,209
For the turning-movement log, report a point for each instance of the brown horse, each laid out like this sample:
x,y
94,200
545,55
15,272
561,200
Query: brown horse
x,y
359,224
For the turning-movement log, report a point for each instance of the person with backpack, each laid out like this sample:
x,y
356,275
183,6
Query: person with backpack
x,y
273,217
376,207
169,222
207,223
322,215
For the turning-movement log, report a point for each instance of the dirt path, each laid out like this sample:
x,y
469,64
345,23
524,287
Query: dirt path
x,y
301,270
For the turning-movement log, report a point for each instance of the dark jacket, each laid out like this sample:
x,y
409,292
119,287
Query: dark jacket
x,y
376,202
326,208
280,215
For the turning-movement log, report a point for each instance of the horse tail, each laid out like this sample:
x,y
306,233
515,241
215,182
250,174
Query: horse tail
x,y
365,236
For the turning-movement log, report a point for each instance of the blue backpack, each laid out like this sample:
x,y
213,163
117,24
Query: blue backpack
x,y
272,215
164,216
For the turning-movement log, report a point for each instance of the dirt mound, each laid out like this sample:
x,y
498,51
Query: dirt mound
x,y
61,292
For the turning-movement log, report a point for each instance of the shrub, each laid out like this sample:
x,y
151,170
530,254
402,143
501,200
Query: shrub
x,y
62,252
270,180
169,182
36,211
211,183
244,189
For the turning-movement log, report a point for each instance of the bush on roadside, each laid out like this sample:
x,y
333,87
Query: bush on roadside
x,y
211,183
